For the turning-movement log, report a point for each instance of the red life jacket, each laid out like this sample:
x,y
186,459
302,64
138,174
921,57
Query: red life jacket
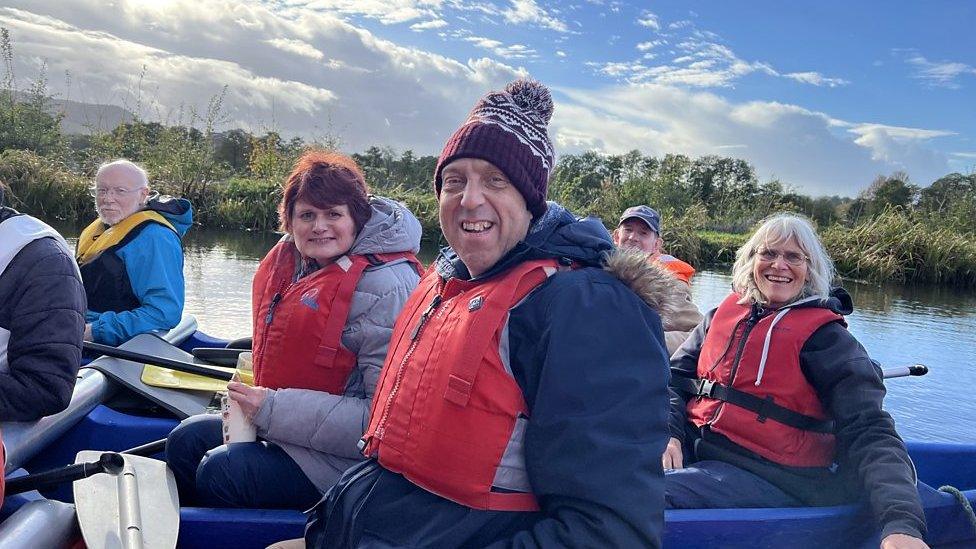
x,y
298,325
680,269
448,414
725,358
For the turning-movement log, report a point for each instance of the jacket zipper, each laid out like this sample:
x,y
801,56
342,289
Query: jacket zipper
x,y
270,317
750,324
414,341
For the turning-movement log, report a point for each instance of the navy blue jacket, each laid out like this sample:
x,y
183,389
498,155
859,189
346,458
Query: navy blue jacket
x,y
42,307
589,356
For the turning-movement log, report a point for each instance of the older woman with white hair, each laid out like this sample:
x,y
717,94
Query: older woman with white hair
x,y
131,258
775,404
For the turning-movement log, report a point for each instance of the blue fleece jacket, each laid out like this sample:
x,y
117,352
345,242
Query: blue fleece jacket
x,y
154,262
589,356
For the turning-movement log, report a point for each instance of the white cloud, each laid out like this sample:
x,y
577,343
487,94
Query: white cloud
x,y
943,74
528,11
649,20
560,53
701,64
432,24
780,140
388,12
649,45
366,89
297,47
816,79
511,51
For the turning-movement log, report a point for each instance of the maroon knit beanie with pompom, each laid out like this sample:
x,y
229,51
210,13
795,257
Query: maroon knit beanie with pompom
x,y
508,129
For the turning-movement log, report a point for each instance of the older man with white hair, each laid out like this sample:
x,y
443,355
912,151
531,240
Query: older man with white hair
x,y
131,258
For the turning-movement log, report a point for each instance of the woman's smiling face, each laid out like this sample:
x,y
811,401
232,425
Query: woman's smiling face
x,y
780,271
322,234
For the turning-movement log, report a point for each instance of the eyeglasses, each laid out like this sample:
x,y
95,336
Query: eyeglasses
x,y
793,258
101,192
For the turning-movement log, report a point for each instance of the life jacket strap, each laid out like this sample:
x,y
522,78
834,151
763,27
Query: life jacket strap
x,y
765,408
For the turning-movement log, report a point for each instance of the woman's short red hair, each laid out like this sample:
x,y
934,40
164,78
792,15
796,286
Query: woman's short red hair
x,y
325,179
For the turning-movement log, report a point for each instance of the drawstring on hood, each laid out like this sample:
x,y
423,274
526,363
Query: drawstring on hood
x,y
769,334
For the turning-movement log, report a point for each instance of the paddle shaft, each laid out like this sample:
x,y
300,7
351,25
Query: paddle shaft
x,y
178,365
903,371
110,462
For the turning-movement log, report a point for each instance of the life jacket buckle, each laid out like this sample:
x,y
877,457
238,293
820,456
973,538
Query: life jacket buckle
x,y
705,388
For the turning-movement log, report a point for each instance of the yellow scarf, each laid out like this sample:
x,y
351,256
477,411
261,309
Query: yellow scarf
x,y
96,238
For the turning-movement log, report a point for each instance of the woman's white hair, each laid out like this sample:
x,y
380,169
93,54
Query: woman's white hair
x,y
139,175
778,229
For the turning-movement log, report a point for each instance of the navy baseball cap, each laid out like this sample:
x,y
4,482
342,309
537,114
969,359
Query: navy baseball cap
x,y
646,214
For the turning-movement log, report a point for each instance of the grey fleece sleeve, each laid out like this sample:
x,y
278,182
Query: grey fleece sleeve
x,y
330,423
679,325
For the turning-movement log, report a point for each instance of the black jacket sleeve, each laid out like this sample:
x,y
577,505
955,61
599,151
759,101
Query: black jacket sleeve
x,y
851,389
591,360
684,363
43,307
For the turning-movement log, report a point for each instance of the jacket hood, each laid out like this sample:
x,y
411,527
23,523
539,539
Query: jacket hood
x,y
177,211
391,228
838,301
653,283
557,234
6,213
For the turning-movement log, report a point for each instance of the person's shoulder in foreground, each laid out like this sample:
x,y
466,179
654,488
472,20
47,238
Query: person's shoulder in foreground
x,y
42,304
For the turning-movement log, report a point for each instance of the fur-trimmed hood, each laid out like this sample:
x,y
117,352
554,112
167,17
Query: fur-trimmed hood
x,y
654,284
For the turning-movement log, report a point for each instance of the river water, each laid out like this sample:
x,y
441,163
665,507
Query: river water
x,y
898,325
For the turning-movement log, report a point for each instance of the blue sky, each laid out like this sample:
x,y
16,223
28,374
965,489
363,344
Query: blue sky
x,y
822,95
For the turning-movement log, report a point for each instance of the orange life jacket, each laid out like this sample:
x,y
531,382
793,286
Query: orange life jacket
x,y
298,324
680,269
732,355
448,414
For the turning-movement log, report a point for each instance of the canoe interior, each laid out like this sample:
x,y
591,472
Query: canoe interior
x,y
127,424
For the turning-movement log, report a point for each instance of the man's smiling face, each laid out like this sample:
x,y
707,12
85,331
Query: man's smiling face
x,y
482,214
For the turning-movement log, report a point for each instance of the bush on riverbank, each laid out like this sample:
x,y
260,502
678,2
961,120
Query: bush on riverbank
x,y
45,187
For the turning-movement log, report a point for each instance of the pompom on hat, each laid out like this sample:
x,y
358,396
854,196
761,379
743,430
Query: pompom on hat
x,y
509,129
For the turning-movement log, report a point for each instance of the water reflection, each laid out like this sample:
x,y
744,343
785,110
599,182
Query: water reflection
x,y
238,244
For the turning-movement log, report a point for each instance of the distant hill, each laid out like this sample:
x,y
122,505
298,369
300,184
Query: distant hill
x,y
88,117
84,118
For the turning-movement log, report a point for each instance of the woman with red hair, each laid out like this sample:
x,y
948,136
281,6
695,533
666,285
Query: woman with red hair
x,y
324,302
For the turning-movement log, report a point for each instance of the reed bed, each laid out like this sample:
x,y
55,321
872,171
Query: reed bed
x,y
894,246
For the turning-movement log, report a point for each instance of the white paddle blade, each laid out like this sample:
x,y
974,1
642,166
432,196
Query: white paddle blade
x,y
137,509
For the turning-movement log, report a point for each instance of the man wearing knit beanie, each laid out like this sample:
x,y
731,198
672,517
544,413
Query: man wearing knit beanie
x,y
524,396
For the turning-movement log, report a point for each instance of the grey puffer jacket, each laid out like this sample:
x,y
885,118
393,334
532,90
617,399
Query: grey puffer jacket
x,y
320,430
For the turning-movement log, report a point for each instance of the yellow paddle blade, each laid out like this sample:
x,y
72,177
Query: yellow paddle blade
x,y
171,379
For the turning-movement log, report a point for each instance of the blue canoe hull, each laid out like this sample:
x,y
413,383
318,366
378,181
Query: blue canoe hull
x,y
844,526
104,428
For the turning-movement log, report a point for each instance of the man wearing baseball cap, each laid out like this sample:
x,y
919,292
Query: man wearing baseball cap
x,y
640,229
524,400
